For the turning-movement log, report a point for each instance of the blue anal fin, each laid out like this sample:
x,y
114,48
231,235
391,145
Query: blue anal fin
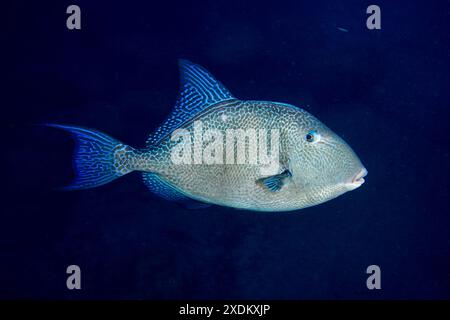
x,y
195,205
164,190
161,188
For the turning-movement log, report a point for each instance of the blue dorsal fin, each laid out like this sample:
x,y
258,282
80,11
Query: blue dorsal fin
x,y
198,91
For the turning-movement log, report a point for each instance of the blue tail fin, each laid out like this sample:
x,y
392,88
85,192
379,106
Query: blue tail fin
x,y
93,158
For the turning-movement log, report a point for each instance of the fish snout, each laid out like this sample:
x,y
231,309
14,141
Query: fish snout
x,y
357,180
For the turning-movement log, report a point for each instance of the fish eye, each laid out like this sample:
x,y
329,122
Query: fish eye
x,y
312,136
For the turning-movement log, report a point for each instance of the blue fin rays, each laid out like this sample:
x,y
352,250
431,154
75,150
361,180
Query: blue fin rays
x,y
198,91
93,158
276,182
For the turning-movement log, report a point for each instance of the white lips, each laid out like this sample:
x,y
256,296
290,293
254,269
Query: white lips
x,y
358,179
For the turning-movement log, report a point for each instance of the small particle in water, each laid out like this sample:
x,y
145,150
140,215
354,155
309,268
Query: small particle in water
x,y
342,29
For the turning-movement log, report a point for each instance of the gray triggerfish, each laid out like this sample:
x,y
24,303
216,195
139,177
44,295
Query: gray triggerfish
x,y
217,149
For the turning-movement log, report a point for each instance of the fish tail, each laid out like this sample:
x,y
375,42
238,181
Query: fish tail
x,y
98,158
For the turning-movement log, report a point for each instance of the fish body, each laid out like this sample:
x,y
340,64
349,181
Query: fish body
x,y
217,149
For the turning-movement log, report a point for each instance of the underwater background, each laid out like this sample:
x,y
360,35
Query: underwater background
x,y
386,92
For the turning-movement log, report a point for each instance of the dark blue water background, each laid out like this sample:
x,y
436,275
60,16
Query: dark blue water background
x,y
386,92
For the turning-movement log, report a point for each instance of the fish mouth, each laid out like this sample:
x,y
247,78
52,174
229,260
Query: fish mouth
x,y
358,179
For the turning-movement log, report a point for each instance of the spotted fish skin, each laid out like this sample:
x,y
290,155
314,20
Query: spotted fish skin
x,y
307,173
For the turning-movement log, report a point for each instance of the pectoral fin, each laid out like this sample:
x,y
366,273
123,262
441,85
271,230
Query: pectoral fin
x,y
276,182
